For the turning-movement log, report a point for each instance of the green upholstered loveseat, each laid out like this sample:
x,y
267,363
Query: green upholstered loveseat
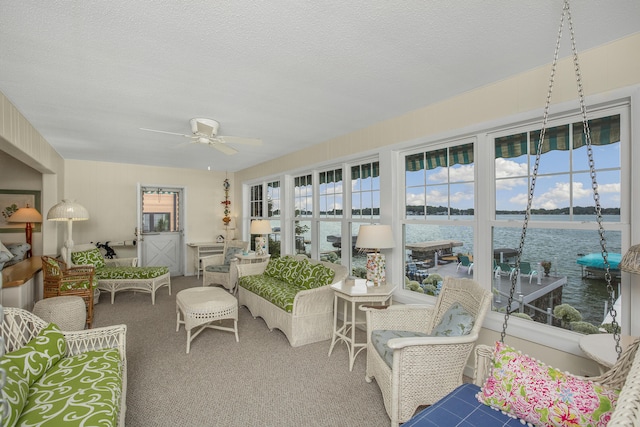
x,y
62,378
120,274
293,294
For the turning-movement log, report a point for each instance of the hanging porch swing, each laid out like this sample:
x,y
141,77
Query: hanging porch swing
x,y
511,388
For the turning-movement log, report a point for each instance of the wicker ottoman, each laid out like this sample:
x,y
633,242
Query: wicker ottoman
x,y
69,313
201,306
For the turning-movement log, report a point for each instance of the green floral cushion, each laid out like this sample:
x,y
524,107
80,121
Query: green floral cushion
x,y
91,257
525,388
279,293
83,390
26,365
84,284
130,272
54,266
455,322
380,338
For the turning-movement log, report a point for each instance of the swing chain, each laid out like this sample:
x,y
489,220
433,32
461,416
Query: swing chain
x,y
532,185
594,184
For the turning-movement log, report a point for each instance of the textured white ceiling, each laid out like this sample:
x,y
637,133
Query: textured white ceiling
x,y
88,75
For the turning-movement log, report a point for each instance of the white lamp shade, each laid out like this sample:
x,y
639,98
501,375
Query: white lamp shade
x,y
67,210
25,215
375,236
260,226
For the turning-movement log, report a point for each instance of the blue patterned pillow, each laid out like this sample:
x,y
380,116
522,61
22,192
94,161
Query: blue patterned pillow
x,y
231,254
455,322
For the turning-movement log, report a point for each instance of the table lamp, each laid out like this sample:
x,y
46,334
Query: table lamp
x,y
261,227
28,216
376,237
631,260
69,211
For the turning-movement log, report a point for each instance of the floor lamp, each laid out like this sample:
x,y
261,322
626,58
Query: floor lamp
x,y
376,237
261,227
69,211
28,216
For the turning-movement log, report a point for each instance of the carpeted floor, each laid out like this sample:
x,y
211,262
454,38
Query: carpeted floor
x,y
259,381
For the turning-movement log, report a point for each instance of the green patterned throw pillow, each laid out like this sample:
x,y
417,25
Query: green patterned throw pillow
x,y
91,257
313,276
27,365
291,269
274,267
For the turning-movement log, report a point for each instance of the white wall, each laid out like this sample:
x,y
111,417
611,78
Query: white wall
x,y
109,190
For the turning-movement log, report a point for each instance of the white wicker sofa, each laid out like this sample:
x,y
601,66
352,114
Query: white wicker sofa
x,y
297,305
120,274
58,377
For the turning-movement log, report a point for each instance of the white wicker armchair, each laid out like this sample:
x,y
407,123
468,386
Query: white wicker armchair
x,y
424,369
220,269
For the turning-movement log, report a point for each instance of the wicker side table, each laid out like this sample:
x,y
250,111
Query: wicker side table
x,y
201,306
68,312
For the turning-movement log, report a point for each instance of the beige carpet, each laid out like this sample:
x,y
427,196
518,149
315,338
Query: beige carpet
x,y
260,381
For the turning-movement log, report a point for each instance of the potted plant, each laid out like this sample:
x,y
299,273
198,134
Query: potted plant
x,y
547,267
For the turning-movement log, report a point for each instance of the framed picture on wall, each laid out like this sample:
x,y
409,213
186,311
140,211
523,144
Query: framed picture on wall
x,y
11,201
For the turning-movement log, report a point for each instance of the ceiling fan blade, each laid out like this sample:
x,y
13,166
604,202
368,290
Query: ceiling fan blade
x,y
168,133
240,140
205,129
224,148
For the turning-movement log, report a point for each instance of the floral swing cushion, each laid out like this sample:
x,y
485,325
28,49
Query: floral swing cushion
x,y
525,388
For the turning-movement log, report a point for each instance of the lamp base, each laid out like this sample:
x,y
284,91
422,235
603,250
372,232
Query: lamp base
x,y
376,268
261,246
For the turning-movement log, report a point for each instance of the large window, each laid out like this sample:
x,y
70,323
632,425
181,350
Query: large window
x,y
273,201
365,191
565,286
440,183
439,189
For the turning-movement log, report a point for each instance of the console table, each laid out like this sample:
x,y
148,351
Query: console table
x,y
204,249
20,283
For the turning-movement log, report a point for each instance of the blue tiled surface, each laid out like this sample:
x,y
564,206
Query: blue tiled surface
x,y
461,408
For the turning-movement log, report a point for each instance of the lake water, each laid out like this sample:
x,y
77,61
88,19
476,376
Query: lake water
x,y
560,246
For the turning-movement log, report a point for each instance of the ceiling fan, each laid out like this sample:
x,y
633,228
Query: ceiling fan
x,y
205,131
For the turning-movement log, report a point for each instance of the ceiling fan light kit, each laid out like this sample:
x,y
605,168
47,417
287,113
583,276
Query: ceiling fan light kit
x,y
205,131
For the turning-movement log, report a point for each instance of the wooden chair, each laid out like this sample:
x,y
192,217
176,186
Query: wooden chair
x,y
58,280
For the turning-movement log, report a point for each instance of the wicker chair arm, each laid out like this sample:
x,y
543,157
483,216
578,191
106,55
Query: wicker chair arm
x,y
79,270
398,343
252,269
106,337
483,364
121,262
409,317
217,259
313,301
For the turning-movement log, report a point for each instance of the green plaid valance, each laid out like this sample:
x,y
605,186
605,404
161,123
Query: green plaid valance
x,y
458,155
330,176
603,131
303,181
365,170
